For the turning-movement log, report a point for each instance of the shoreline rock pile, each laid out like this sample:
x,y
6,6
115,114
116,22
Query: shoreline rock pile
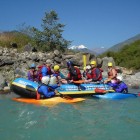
x,y
14,64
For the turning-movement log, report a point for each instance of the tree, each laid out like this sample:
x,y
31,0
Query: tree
x,y
50,38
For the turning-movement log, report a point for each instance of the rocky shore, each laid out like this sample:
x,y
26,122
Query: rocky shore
x,y
14,64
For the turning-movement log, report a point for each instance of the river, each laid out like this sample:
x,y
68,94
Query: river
x,y
92,119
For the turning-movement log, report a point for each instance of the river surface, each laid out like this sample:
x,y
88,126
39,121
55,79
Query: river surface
x,y
92,119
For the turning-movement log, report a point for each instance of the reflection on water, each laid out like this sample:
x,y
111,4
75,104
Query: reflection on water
x,y
88,120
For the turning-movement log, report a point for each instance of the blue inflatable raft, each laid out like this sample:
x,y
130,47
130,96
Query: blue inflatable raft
x,y
116,95
27,88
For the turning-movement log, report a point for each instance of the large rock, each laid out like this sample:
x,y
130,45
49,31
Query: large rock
x,y
56,52
50,55
126,71
57,59
67,56
2,82
105,62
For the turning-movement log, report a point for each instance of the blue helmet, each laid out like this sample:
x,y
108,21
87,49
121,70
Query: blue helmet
x,y
69,63
33,65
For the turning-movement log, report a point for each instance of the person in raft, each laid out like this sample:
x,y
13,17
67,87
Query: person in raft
x,y
32,73
112,73
87,72
58,74
45,90
74,73
46,69
118,85
96,73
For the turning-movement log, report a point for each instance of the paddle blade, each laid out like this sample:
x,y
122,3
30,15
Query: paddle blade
x,y
79,81
98,90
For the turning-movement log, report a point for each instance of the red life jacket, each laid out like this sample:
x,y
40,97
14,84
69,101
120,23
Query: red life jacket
x,y
49,71
39,72
77,77
33,74
93,74
88,75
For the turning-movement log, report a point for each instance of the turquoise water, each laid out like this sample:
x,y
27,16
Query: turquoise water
x,y
92,119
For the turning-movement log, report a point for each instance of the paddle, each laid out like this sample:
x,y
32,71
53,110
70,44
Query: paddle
x,y
37,95
79,82
63,96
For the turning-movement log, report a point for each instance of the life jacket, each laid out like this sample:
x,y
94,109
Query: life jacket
x,y
39,72
110,73
33,75
49,71
76,77
88,74
79,76
93,74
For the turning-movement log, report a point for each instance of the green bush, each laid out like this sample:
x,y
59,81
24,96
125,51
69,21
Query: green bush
x,y
128,56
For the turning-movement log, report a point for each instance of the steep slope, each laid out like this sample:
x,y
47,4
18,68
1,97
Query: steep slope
x,y
119,46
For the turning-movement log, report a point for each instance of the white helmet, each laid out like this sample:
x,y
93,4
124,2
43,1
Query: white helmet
x,y
45,80
120,77
88,67
53,80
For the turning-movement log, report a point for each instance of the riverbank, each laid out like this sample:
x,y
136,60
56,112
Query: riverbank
x,y
14,64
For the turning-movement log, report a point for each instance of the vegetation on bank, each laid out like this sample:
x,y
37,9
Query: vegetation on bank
x,y
128,56
47,39
9,38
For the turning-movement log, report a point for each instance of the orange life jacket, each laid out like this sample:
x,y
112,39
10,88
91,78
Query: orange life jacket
x,y
110,73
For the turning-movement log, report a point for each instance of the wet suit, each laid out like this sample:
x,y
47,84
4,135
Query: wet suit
x,y
47,91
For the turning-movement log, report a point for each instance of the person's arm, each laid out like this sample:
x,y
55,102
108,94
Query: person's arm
x,y
53,87
47,93
114,73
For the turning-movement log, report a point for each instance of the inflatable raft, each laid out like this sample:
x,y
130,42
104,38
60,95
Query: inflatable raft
x,y
116,95
27,88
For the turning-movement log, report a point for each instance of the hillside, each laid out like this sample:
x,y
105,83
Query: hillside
x,y
128,56
8,38
119,46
